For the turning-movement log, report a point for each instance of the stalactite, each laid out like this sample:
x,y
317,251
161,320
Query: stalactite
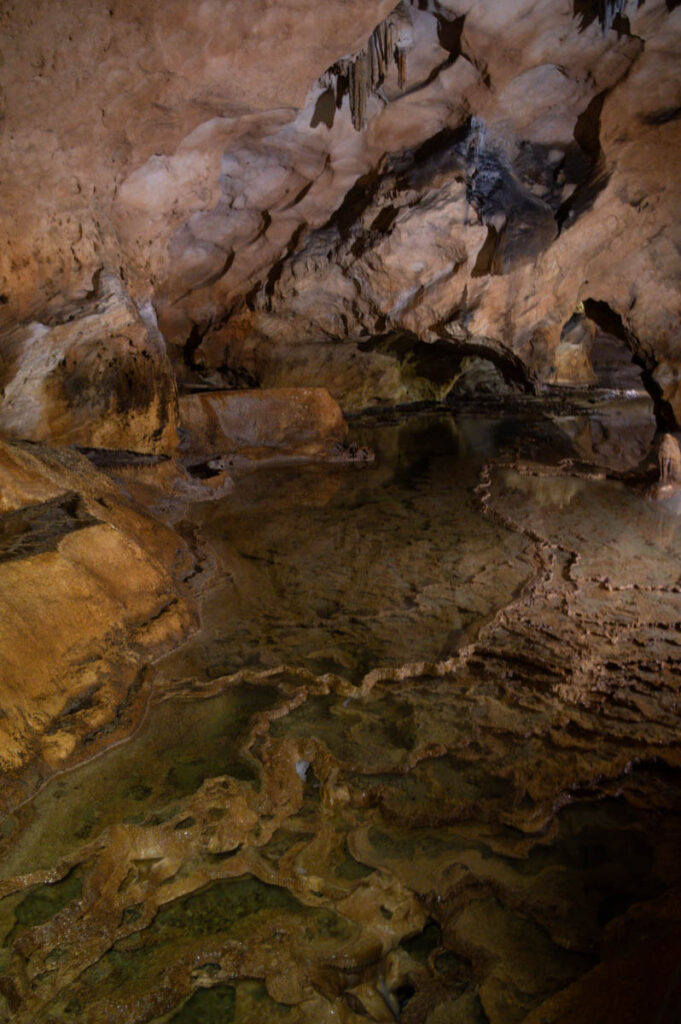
x,y
610,10
365,70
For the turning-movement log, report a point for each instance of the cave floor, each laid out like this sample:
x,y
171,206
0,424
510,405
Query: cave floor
x,y
420,763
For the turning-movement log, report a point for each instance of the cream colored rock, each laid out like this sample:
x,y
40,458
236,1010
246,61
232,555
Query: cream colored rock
x,y
669,460
495,255
306,420
91,95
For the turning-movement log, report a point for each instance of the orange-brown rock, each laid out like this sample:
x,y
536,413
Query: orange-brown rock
x,y
113,106
90,593
303,420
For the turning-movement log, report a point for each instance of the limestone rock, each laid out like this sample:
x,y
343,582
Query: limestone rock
x,y
90,592
306,420
482,200
101,378
669,458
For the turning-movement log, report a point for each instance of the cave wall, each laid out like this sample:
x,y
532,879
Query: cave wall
x,y
194,189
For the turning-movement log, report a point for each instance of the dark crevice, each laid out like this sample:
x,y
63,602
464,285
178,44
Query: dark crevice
x,y
250,300
381,225
236,378
484,262
621,26
449,38
449,34
587,131
438,361
435,361
570,325
525,225
356,201
663,116
608,13
607,319
277,269
509,366
443,153
535,167
298,198
264,291
342,87
325,109
79,702
359,246
196,336
39,528
384,220
587,136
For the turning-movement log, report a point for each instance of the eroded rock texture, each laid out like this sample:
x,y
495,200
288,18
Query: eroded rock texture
x,y
346,196
90,592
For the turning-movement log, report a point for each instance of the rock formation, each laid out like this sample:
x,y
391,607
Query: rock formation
x,y
669,458
490,832
270,226
301,420
90,591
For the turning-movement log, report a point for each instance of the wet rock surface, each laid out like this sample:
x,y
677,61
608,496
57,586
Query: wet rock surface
x,y
418,756
474,825
91,589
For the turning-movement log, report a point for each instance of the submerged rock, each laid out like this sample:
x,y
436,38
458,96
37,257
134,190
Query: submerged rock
x,y
446,789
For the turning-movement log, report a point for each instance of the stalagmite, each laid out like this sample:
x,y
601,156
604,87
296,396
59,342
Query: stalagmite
x,y
669,460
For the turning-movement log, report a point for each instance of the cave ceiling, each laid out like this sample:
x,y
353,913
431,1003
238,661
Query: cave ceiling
x,y
288,194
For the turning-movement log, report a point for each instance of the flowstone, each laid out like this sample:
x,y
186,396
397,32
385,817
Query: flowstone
x,y
484,831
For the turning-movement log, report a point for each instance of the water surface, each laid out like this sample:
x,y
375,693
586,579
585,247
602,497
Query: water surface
x,y
420,763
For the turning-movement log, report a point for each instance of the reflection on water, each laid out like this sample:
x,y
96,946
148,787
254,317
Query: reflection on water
x,y
341,569
473,816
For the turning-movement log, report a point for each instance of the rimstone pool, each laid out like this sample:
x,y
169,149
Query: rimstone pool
x,y
420,763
